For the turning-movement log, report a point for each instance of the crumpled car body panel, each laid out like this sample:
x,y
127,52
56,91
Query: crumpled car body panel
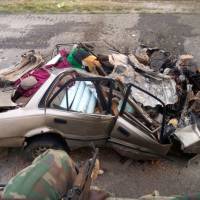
x,y
157,84
5,100
131,137
189,137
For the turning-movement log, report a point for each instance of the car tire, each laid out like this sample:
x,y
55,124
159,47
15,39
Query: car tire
x,y
39,144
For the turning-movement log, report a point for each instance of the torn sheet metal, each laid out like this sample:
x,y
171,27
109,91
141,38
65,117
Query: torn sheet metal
x,y
165,90
188,136
5,100
161,87
29,61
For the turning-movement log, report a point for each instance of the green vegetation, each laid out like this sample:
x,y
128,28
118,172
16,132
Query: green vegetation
x,y
44,6
97,6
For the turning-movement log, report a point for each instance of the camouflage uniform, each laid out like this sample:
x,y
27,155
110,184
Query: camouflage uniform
x,y
49,177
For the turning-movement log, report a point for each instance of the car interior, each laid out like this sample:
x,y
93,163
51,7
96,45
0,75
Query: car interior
x,y
92,97
79,96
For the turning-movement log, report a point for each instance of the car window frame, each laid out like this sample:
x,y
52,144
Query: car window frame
x,y
94,80
49,90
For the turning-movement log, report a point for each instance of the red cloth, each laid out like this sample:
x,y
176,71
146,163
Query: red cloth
x,y
62,63
41,76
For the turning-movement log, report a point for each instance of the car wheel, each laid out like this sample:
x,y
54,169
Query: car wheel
x,y
39,144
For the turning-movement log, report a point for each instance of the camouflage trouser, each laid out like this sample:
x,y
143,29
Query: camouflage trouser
x,y
49,177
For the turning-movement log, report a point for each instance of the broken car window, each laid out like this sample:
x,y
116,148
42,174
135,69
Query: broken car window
x,y
86,96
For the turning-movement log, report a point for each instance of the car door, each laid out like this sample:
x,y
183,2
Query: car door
x,y
81,112
135,131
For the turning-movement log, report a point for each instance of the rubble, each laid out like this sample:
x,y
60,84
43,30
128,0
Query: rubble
x,y
184,60
142,55
29,61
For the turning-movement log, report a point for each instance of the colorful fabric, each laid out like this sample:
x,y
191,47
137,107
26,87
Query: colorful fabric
x,y
28,82
76,56
48,177
91,62
40,74
62,62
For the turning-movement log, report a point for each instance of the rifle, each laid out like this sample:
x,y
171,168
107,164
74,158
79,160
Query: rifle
x,y
81,186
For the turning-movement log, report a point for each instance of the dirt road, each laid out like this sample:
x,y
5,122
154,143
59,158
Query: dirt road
x,y
178,33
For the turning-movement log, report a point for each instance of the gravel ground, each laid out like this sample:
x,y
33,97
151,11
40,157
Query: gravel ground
x,y
178,33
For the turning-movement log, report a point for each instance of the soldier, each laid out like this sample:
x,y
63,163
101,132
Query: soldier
x,y
48,177
54,176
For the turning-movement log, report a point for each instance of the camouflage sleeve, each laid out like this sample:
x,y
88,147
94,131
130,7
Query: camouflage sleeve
x,y
48,177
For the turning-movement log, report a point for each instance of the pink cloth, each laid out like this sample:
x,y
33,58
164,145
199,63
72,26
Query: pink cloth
x,y
62,63
41,76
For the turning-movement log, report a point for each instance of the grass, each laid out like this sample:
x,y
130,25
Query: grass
x,y
92,6
44,6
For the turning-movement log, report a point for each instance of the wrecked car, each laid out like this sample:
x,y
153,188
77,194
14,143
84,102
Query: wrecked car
x,y
74,108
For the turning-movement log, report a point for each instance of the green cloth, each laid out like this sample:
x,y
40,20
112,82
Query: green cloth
x,y
71,59
76,56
